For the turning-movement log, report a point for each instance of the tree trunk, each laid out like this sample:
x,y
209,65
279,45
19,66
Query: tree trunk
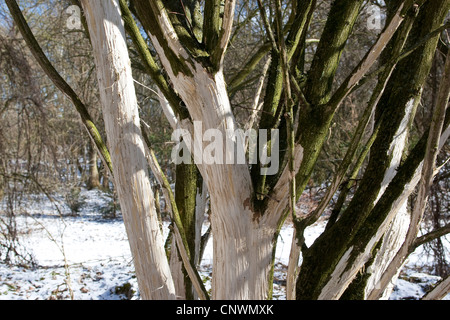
x,y
242,239
338,255
391,243
122,124
439,291
94,178
185,198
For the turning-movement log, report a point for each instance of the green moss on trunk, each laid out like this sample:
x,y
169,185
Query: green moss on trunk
x,y
339,25
185,198
359,222
149,14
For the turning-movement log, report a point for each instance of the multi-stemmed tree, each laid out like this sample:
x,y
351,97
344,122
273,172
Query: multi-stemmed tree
x,y
366,241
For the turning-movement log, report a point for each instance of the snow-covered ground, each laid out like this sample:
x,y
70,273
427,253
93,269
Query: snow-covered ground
x,y
89,256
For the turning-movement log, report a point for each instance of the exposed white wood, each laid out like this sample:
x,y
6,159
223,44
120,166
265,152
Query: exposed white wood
x,y
334,288
122,124
181,252
168,111
242,238
426,179
293,267
392,241
440,291
396,232
239,240
397,146
176,268
201,201
279,198
377,290
340,279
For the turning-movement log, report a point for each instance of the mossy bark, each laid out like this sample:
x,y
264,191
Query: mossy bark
x,y
339,25
185,198
357,225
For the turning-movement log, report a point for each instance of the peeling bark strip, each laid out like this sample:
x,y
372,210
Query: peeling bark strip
x,y
329,266
372,55
243,241
128,153
426,180
440,291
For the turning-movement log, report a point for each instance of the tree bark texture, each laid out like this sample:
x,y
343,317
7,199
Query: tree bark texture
x,y
339,254
125,141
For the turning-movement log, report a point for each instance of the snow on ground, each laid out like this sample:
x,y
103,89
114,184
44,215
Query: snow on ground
x,y
89,255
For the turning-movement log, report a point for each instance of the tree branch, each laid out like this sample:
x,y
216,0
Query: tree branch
x,y
155,20
59,82
405,53
249,66
297,32
289,108
442,231
439,291
372,55
211,24
362,125
181,21
338,28
149,62
427,176
218,53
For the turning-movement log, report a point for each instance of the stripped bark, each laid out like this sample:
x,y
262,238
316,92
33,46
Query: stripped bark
x,y
247,207
364,222
122,124
425,182
239,237
440,291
